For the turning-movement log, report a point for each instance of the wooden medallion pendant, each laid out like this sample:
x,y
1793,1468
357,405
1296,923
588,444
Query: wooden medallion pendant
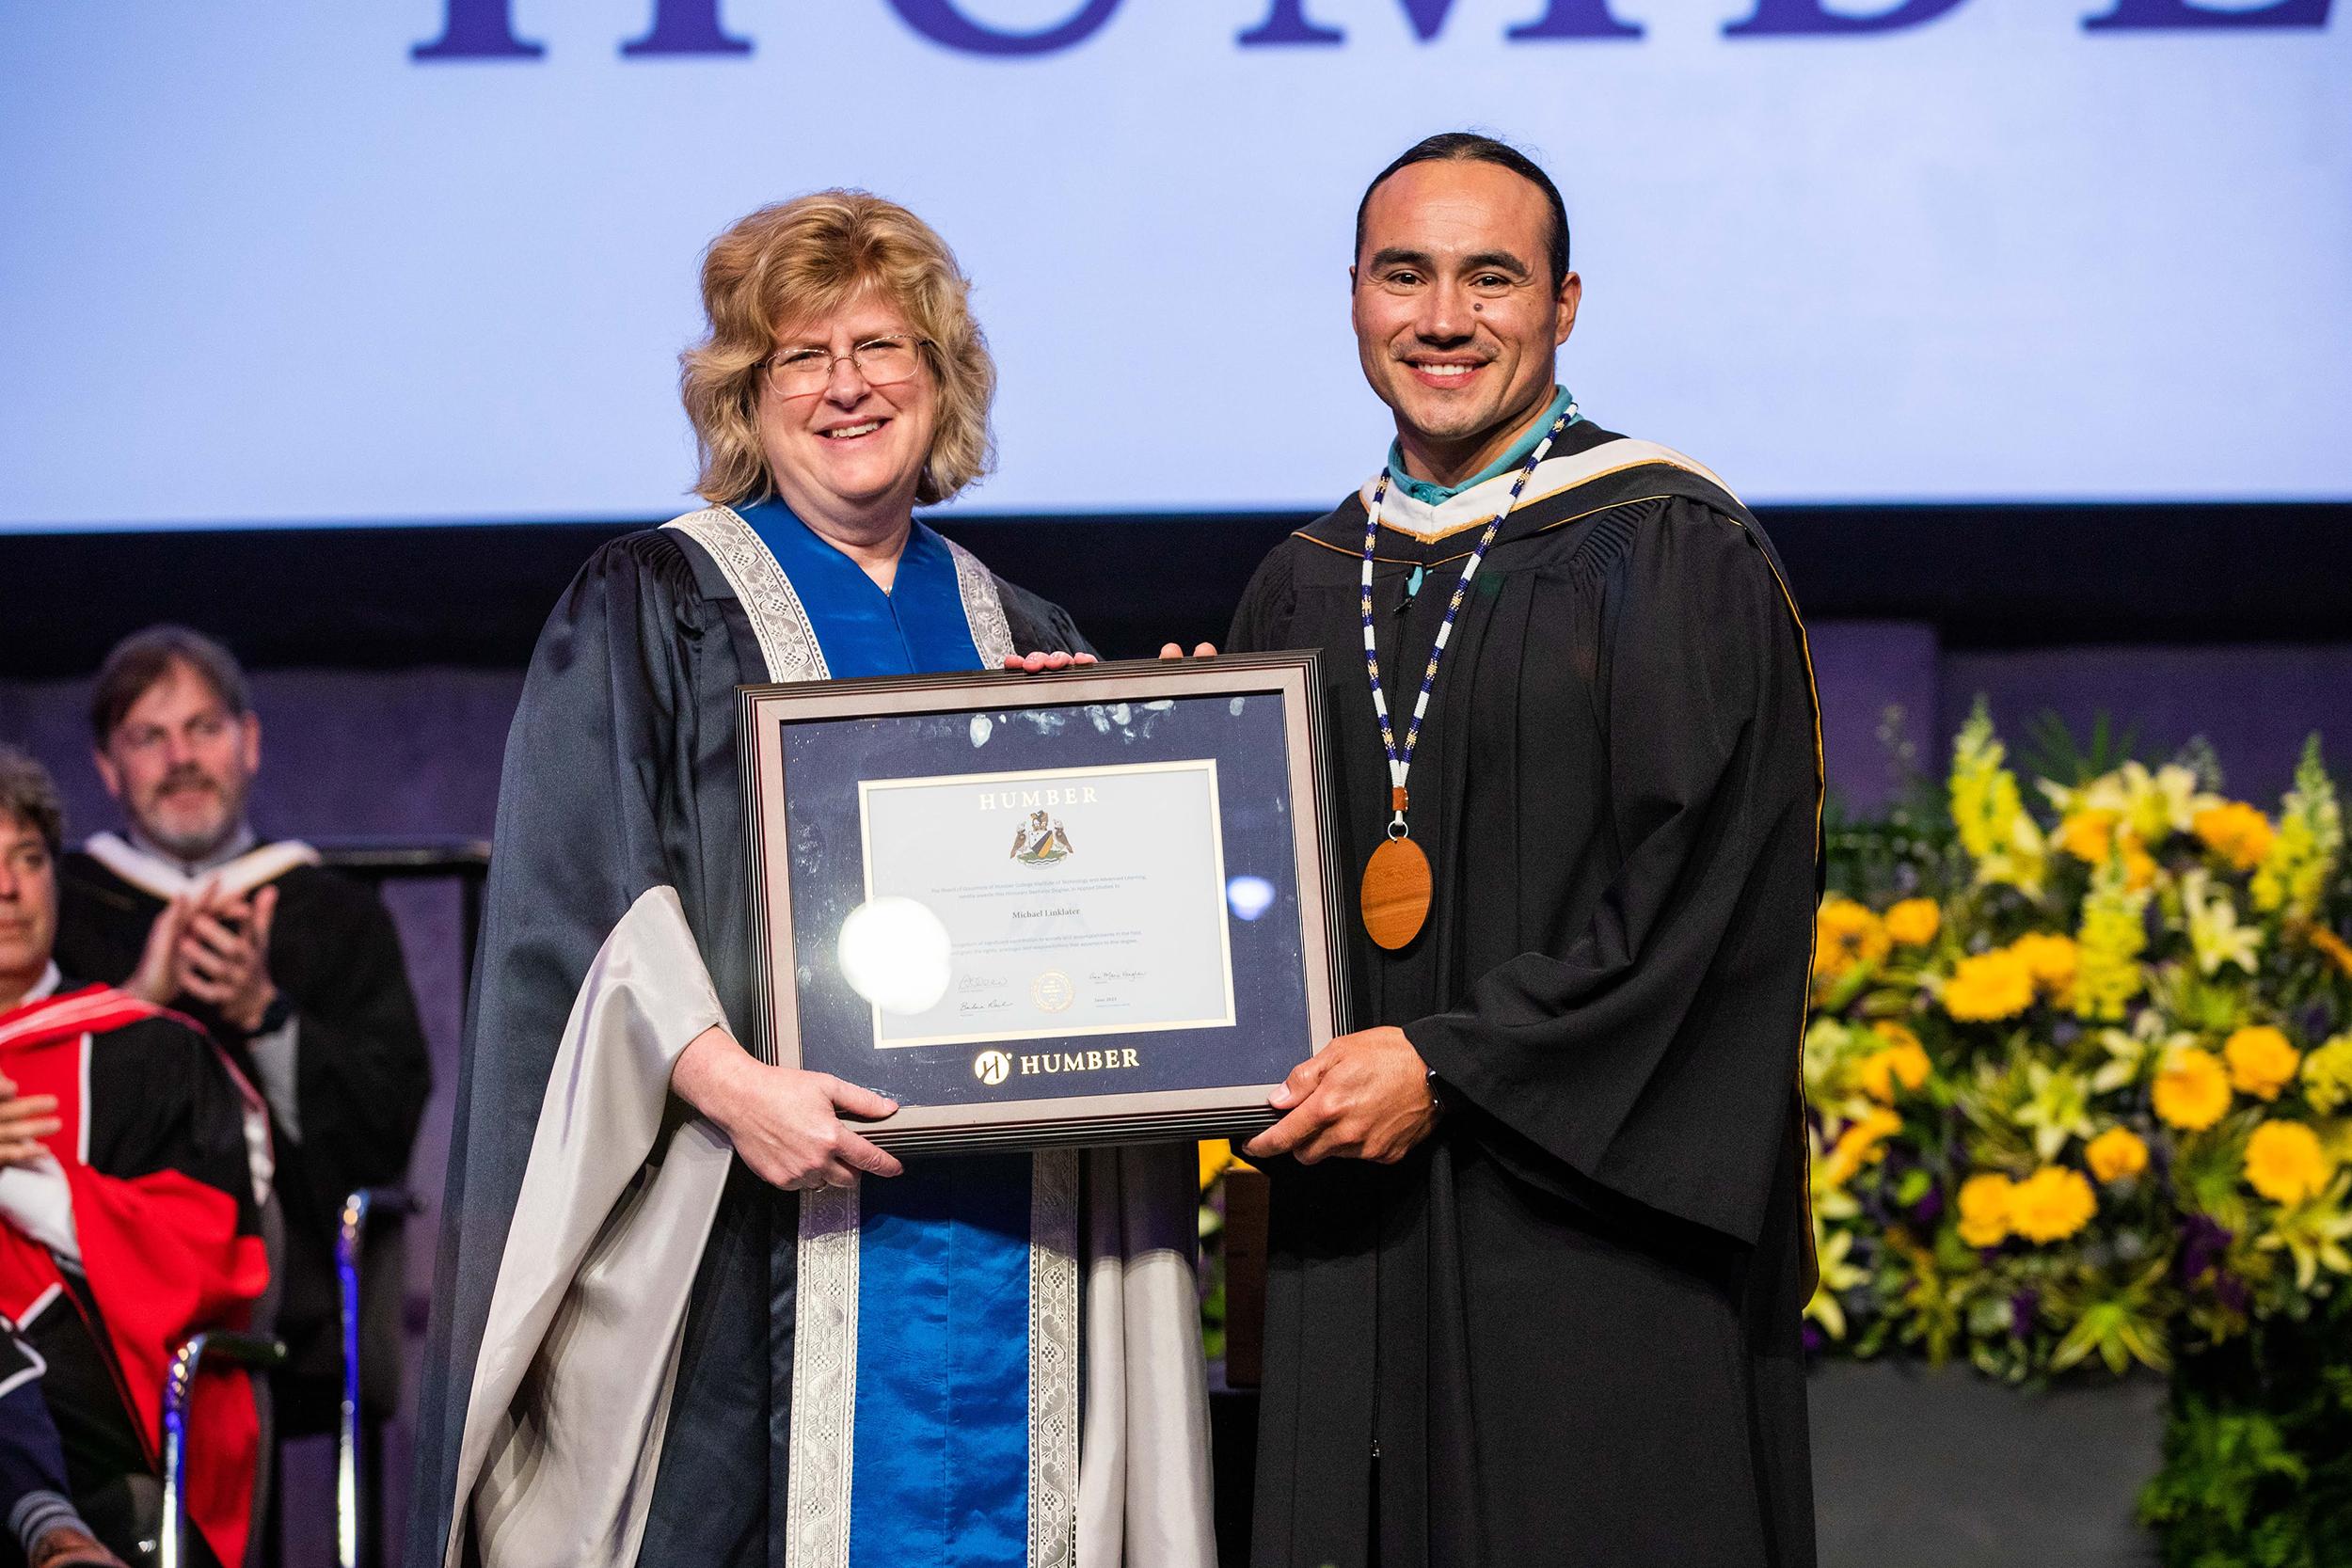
x,y
1395,894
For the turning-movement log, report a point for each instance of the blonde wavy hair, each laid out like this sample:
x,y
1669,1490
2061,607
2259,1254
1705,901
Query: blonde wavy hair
x,y
803,257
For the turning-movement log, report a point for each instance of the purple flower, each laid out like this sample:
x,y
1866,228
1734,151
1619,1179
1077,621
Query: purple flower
x,y
1815,1340
2023,1307
2065,1032
2204,1244
2230,1291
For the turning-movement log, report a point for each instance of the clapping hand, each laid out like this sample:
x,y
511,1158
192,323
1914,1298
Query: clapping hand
x,y
212,948
224,957
157,978
26,1119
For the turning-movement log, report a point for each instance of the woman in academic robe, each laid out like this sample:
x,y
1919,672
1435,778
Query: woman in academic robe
x,y
686,1312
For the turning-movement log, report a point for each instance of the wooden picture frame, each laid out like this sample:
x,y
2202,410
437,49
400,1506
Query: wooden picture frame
x,y
1199,830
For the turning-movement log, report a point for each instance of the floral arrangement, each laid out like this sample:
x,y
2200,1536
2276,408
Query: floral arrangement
x,y
2080,1069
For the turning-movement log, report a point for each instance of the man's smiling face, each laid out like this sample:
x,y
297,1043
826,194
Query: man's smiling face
x,y
1456,317
182,762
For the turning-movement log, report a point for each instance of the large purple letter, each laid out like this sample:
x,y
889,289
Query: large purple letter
x,y
1781,18
940,21
477,30
1575,19
687,27
1288,22
2141,15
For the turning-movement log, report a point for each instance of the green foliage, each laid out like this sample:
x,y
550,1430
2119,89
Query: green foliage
x,y
2257,1458
2051,752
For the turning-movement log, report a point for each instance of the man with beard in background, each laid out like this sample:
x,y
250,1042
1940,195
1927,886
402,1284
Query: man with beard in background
x,y
294,969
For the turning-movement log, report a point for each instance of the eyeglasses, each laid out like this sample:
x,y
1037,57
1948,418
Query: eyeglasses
x,y
880,362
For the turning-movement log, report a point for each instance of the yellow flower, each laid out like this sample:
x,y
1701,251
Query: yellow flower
x,y
1216,1154
2314,1234
1987,985
2109,944
2261,1061
2052,960
1846,934
1915,921
2328,1075
2051,1205
2285,1164
1995,829
2333,948
1858,1145
2237,832
2140,866
2310,835
2213,934
1894,1033
1838,1272
1984,1203
2192,1090
2088,835
2056,1107
2117,1154
1882,1070
2158,804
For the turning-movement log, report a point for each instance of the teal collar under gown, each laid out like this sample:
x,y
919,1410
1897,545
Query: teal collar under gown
x,y
940,1424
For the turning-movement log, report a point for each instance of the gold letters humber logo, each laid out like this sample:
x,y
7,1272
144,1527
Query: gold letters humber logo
x,y
992,1066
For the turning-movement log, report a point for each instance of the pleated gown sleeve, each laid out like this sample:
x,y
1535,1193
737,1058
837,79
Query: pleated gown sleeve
x,y
1655,1053
588,942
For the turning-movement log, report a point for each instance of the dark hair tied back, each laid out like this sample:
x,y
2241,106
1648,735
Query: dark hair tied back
x,y
1477,147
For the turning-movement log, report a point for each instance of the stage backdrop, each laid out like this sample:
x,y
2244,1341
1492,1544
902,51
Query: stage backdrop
x,y
433,260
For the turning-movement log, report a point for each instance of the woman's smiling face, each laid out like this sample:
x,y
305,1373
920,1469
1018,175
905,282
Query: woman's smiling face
x,y
845,447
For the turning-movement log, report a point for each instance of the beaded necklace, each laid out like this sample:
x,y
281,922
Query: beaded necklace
x,y
1396,886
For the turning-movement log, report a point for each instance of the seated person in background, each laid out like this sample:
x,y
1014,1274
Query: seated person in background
x,y
34,1498
294,969
131,1156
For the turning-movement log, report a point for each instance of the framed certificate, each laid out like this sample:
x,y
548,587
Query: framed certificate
x,y
1093,907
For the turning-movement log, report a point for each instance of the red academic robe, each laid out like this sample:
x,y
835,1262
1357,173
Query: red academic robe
x,y
164,1254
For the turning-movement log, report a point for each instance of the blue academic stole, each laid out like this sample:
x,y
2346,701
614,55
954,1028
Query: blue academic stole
x,y
940,1456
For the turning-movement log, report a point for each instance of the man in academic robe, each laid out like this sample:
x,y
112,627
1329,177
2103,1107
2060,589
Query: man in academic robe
x,y
1538,1239
131,1156
294,969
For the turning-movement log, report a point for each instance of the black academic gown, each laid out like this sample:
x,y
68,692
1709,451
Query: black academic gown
x,y
361,1077
621,775
1565,1329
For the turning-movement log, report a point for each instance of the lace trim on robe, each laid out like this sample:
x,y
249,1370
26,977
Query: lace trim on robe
x,y
779,620
1052,1357
825,1382
824,1341
983,609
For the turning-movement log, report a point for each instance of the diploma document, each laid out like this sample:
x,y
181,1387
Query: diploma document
x,y
1075,901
